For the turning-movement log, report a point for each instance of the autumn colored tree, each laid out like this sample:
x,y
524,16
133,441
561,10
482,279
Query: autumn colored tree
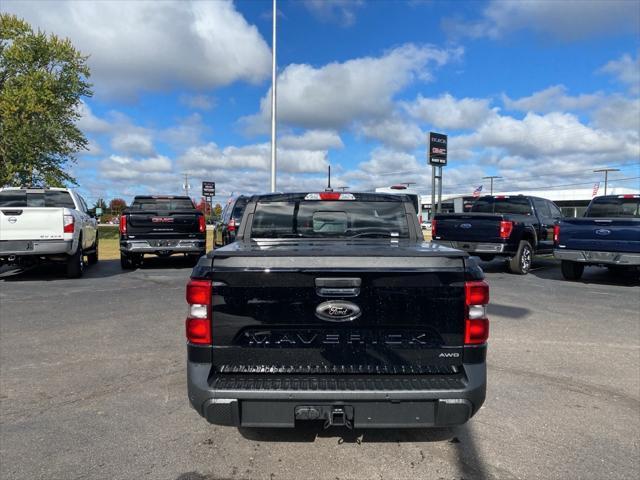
x,y
117,205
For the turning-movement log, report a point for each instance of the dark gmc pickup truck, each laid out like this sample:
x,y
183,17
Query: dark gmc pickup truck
x,y
608,234
516,227
161,225
330,307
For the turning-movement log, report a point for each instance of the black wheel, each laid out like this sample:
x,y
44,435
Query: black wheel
x,y
571,270
486,258
126,262
92,258
520,264
75,262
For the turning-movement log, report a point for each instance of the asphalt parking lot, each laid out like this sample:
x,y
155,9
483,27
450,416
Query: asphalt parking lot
x,y
92,385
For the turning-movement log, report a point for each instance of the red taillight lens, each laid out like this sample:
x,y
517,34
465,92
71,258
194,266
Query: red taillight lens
x,y
476,331
420,219
330,196
476,293
556,234
505,229
198,323
433,228
202,223
123,225
231,226
69,224
476,328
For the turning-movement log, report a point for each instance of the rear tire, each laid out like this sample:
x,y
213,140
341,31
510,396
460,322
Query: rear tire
x,y
126,262
571,270
75,262
521,262
92,258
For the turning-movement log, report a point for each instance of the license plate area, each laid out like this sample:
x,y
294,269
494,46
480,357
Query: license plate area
x,y
16,246
163,243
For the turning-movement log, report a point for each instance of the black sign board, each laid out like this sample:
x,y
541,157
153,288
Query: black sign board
x,y
437,149
208,189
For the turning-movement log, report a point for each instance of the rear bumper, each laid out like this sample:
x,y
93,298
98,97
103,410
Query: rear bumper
x,y
407,408
21,248
594,257
163,246
475,247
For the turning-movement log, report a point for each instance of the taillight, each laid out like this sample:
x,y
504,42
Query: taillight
x,y
433,229
476,324
123,225
202,223
69,224
506,228
198,323
556,234
420,219
231,226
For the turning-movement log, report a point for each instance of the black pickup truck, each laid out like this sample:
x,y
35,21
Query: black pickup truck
x,y
608,235
161,225
331,307
516,227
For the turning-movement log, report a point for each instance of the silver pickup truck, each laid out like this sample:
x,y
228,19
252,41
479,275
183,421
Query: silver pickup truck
x,y
46,224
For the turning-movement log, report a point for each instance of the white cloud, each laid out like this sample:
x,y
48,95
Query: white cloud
x,y
554,134
619,114
447,112
149,170
252,157
564,20
394,132
137,46
551,99
133,143
312,140
333,96
198,102
626,70
337,11
88,122
188,131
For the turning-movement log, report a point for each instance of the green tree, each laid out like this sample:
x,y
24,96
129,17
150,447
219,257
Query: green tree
x,y
100,203
42,81
217,211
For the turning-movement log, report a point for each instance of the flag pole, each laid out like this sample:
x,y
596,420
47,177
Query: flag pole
x,y
273,99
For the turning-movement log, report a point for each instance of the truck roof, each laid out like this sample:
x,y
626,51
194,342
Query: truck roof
x,y
362,196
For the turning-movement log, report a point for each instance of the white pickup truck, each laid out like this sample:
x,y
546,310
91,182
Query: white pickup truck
x,y
46,224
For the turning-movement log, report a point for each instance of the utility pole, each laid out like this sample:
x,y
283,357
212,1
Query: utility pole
x,y
328,189
491,177
606,175
273,98
186,185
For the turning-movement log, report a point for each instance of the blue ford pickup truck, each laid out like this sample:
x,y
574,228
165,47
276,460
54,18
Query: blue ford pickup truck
x,y
608,235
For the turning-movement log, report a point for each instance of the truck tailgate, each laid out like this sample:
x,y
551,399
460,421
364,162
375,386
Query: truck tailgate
x,y
162,223
338,315
469,227
600,234
31,223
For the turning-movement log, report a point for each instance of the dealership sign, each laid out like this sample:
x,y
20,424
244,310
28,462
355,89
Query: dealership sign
x,y
208,189
437,149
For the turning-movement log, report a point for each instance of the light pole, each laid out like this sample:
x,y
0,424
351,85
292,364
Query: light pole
x,y
606,175
273,99
491,177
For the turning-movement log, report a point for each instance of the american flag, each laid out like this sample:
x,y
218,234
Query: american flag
x,y
477,191
596,187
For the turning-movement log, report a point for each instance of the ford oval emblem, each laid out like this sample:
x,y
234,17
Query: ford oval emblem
x,y
465,225
338,311
603,232
12,219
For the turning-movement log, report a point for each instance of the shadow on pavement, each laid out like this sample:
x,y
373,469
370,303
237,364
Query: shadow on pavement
x,y
508,311
499,265
593,275
103,269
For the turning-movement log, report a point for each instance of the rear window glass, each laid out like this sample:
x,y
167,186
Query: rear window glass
x,y
162,204
24,198
614,207
330,219
238,208
514,205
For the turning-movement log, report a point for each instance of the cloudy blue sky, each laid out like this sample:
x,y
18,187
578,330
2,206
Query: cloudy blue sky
x,y
538,92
